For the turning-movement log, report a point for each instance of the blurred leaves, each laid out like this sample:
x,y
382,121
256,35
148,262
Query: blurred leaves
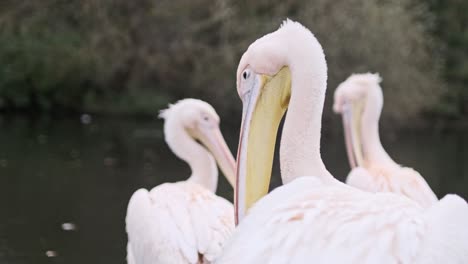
x,y
452,30
118,56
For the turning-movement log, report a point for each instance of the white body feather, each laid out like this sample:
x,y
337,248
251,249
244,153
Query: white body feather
x,y
404,181
309,221
177,223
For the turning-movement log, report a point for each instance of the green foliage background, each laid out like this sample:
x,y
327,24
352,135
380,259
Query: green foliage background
x,y
133,57
451,28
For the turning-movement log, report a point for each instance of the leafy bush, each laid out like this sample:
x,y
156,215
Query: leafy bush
x,y
132,56
451,21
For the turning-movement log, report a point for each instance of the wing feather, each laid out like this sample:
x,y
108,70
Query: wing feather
x,y
307,221
447,240
175,223
416,188
402,180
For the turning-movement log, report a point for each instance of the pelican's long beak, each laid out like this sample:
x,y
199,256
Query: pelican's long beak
x,y
263,108
352,115
215,143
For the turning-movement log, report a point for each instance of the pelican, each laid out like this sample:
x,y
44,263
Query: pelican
x,y
314,218
184,222
359,99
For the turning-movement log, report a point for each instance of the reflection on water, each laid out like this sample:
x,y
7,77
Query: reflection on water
x,y
64,185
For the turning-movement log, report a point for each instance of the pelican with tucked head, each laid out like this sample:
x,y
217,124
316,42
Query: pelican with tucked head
x,y
313,218
184,222
359,100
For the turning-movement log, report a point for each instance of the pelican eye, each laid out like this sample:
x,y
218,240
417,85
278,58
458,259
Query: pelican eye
x,y
246,74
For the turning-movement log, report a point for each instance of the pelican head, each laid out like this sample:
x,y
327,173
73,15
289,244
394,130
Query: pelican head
x,y
199,120
358,96
265,76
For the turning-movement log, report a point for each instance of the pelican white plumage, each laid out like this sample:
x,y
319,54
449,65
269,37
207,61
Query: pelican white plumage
x,y
184,222
313,218
359,99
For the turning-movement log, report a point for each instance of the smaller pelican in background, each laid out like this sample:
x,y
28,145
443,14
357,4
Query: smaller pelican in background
x,y
359,100
184,222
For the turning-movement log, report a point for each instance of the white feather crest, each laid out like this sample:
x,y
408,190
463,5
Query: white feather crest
x,y
164,113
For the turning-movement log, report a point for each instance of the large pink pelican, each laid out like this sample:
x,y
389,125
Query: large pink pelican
x,y
314,218
359,99
184,222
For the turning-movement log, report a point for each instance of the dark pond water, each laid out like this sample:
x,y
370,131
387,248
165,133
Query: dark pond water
x,y
54,172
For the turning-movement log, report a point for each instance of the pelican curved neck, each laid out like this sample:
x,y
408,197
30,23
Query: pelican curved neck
x,y
370,138
201,162
300,141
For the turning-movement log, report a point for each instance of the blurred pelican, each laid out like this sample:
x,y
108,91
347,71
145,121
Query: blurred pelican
x,y
184,222
313,218
359,99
